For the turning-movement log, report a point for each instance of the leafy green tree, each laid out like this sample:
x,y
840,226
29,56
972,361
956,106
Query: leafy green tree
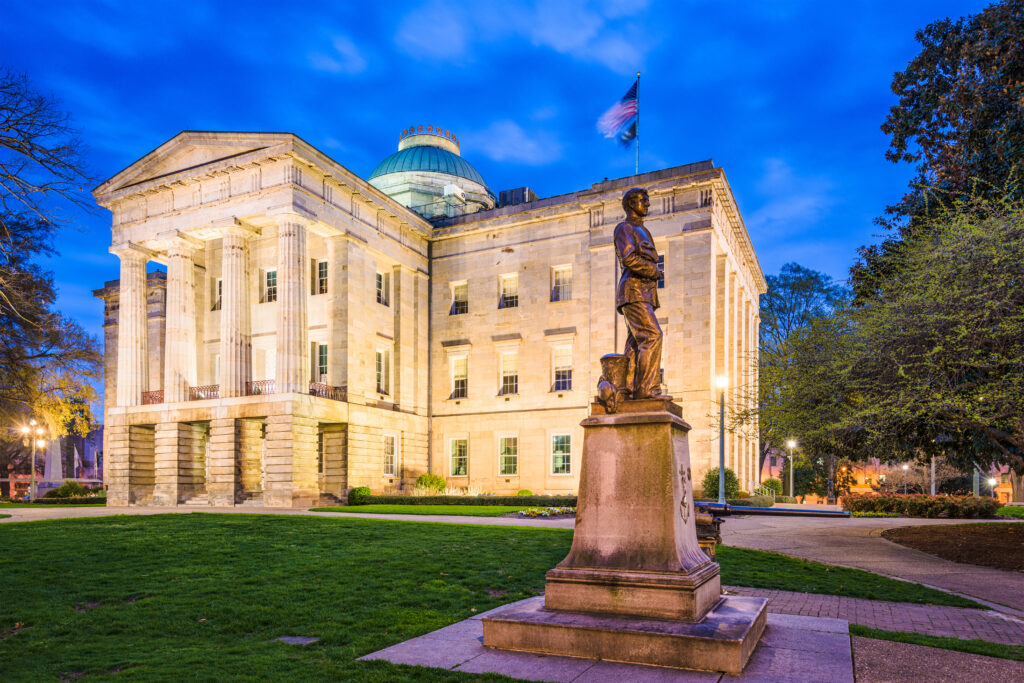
x,y
960,119
796,302
937,365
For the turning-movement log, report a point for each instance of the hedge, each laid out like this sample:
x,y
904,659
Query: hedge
x,y
521,501
920,505
89,500
751,502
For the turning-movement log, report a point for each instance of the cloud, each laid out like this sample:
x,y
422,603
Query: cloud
x,y
793,203
604,32
506,141
345,59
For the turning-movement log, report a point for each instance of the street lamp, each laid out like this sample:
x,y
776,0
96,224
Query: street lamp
x,y
791,444
992,485
721,382
905,468
34,433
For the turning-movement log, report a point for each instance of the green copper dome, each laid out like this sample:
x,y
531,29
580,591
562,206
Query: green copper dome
x,y
428,158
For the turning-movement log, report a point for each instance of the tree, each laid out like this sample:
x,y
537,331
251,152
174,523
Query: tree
x,y
937,369
960,119
47,362
710,484
802,340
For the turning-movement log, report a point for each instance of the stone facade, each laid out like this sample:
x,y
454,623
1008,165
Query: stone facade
x,y
312,334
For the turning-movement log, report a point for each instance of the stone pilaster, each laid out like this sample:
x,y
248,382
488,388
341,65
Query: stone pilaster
x,y
132,352
235,334
172,449
292,287
251,457
116,465
225,442
290,462
337,312
180,347
141,462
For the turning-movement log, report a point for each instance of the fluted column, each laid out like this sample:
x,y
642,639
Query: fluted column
x,y
292,286
180,347
235,335
132,351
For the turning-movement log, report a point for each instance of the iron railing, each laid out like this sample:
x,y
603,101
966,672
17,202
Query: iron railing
x,y
152,397
259,387
327,391
208,391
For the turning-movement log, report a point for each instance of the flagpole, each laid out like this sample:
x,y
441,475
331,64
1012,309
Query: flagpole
x,y
638,123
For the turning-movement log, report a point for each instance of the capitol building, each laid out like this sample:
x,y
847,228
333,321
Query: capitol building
x,y
313,331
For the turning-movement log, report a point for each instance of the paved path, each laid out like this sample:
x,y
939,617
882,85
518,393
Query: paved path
x,y
933,620
857,542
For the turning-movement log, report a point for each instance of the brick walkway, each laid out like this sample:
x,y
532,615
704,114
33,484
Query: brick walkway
x,y
934,620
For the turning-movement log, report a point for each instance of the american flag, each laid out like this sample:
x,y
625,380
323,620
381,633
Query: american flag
x,y
620,121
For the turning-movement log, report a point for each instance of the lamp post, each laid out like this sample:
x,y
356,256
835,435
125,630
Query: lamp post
x,y
34,432
721,382
992,485
905,468
791,444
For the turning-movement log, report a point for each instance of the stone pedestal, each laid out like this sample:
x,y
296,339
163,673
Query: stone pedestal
x,y
635,586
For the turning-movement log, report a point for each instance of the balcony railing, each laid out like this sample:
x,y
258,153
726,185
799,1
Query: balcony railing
x,y
152,397
208,391
259,387
327,391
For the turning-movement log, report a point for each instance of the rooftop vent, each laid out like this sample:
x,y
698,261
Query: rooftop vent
x,y
519,195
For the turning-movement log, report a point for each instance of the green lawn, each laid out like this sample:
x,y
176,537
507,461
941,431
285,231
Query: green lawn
x,y
3,516
1016,511
761,569
975,646
462,510
203,596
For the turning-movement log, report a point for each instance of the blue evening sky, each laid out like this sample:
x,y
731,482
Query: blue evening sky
x,y
787,97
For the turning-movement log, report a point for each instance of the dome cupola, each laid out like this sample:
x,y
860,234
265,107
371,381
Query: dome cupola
x,y
428,175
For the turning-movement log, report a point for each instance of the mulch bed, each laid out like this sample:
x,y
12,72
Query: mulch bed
x,y
989,545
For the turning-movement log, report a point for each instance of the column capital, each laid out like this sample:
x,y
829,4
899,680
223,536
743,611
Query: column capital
x,y
131,249
292,213
235,227
179,243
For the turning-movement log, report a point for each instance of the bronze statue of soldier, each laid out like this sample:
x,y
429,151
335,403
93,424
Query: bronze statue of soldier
x,y
636,296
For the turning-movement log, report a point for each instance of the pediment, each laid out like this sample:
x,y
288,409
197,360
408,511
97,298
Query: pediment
x,y
189,151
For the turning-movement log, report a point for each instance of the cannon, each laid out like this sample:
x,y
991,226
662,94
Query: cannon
x,y
709,518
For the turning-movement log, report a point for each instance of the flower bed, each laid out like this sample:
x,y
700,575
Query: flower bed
x,y
917,505
547,512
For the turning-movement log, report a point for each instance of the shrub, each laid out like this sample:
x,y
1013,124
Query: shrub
x,y
773,484
752,502
921,505
519,501
359,495
79,500
1015,511
431,482
524,492
786,500
69,489
710,484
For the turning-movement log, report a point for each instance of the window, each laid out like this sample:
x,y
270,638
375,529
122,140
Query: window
x,y
661,269
561,283
460,377
509,291
218,294
561,454
509,373
705,198
270,285
1004,478
867,481
384,289
321,362
321,278
460,457
460,298
508,456
562,364
390,457
383,365
320,452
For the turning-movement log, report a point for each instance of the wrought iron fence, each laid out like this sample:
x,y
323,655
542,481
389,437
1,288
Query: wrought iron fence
x,y
259,387
208,391
327,391
152,397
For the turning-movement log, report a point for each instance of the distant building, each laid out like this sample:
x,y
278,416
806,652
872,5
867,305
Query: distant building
x,y
316,331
